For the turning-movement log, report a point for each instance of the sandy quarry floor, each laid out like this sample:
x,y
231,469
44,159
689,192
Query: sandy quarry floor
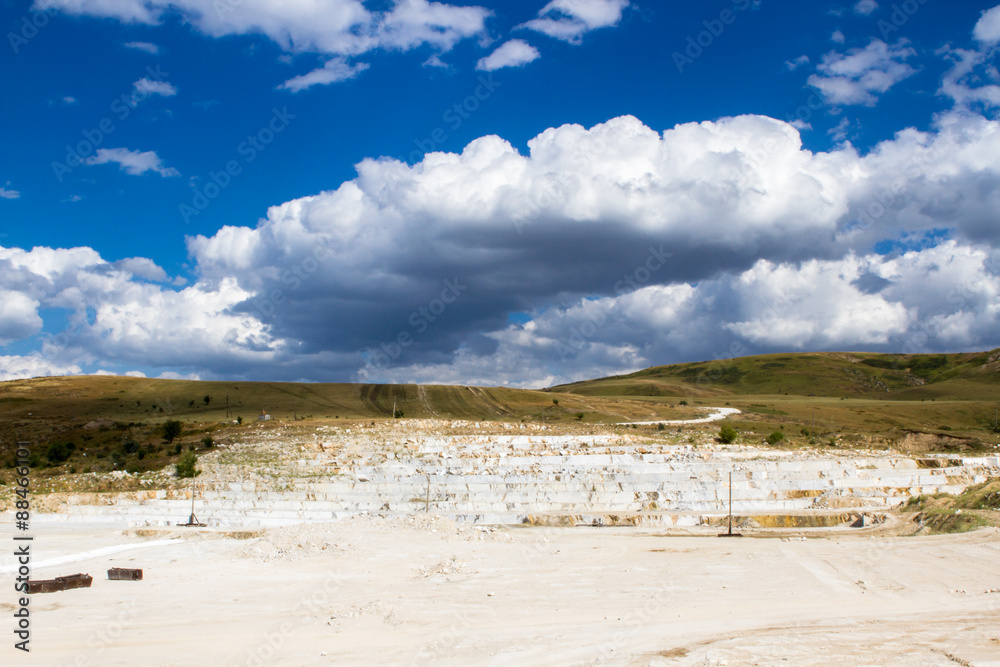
x,y
423,591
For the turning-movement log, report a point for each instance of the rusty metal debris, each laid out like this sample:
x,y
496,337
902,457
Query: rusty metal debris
x,y
60,583
124,574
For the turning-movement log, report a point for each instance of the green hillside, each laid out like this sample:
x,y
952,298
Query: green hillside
x,y
925,401
837,374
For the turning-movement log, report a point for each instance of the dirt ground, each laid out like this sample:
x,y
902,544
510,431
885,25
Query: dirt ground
x,y
425,591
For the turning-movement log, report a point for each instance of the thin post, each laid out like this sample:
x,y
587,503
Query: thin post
x,y
730,533
730,502
427,500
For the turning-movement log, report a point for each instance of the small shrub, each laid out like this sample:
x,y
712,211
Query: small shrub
x,y
207,399
177,448
685,403
775,438
396,414
207,442
555,401
660,426
727,434
579,416
239,420
187,466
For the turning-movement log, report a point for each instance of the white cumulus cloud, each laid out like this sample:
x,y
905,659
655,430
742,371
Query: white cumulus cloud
x,y
570,20
865,7
335,27
513,53
132,162
145,87
987,29
148,47
332,71
857,76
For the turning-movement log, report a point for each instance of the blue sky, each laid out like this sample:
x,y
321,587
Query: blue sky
x,y
286,190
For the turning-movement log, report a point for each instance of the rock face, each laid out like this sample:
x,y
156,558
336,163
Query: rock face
x,y
537,478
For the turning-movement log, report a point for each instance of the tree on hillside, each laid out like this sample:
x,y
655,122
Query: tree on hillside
x,y
207,399
171,429
187,466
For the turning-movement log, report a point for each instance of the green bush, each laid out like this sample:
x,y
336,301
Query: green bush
x,y
727,434
207,442
775,438
171,429
683,403
59,452
186,467
660,426
207,399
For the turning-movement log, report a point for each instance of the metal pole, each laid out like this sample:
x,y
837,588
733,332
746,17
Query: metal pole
x,y
730,502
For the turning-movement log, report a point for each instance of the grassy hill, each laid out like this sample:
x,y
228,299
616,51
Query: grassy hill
x,y
838,374
918,402
900,398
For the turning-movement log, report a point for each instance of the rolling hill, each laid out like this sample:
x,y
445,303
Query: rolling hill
x,y
947,402
833,374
